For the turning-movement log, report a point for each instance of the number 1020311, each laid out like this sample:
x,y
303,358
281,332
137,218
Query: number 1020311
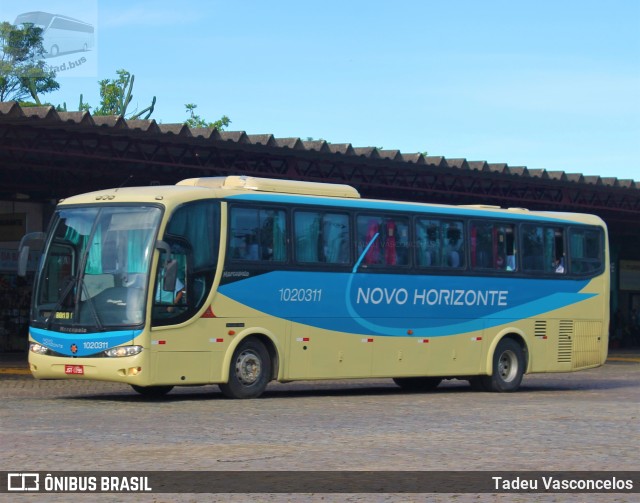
x,y
300,294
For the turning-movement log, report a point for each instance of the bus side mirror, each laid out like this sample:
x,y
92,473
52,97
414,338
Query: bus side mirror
x,y
170,267
23,250
170,276
23,259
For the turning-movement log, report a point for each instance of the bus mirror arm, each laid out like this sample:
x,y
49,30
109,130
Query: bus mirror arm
x,y
23,253
170,267
164,247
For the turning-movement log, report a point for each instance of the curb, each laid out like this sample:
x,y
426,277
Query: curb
x,y
15,371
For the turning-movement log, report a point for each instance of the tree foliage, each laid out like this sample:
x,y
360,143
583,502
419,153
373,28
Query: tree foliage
x,y
196,121
23,72
116,96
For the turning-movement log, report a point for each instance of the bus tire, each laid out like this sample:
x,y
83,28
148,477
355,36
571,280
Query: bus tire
x,y
152,391
249,372
416,384
508,367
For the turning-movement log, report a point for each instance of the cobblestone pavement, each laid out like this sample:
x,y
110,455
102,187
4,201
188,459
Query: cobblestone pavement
x,y
580,421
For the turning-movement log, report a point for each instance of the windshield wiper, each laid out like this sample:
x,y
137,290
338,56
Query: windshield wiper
x,y
82,265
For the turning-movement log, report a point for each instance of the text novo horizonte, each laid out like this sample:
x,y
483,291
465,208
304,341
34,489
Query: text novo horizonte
x,y
432,297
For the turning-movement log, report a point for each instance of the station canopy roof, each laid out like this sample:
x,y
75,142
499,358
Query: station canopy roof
x,y
46,155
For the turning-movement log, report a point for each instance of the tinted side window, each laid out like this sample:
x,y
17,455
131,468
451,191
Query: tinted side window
x,y
321,237
585,251
258,234
493,246
388,237
543,249
439,243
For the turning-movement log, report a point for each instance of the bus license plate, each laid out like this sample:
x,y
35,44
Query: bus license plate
x,y
74,369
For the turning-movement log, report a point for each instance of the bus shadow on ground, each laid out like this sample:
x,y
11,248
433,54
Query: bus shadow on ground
x,y
297,390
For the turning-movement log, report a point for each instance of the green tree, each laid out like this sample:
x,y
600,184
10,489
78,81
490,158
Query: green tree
x,y
23,72
116,96
196,121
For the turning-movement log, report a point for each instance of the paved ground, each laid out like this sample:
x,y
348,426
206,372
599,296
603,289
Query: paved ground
x,y
581,421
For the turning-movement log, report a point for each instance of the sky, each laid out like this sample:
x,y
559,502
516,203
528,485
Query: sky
x,y
545,84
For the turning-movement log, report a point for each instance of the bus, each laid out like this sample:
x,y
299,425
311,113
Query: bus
x,y
60,34
238,281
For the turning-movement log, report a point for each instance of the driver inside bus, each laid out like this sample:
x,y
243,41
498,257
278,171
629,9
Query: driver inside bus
x,y
172,297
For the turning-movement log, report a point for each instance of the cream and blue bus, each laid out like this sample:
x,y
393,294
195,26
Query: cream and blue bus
x,y
238,281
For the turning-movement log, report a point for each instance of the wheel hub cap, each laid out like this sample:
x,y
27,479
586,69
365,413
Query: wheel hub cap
x,y
248,367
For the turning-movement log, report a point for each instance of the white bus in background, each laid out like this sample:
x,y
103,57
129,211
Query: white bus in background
x,y
60,34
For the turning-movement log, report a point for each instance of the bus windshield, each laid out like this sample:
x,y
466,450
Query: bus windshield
x,y
95,269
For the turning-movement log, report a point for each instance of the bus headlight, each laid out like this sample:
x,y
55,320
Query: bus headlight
x,y
39,349
123,351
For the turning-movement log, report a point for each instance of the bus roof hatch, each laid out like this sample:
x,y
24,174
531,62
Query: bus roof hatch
x,y
272,185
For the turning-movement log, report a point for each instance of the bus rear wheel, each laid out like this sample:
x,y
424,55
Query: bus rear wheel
x,y
418,383
508,367
152,391
249,372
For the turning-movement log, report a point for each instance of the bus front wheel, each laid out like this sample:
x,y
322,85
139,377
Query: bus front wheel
x,y
508,367
249,372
